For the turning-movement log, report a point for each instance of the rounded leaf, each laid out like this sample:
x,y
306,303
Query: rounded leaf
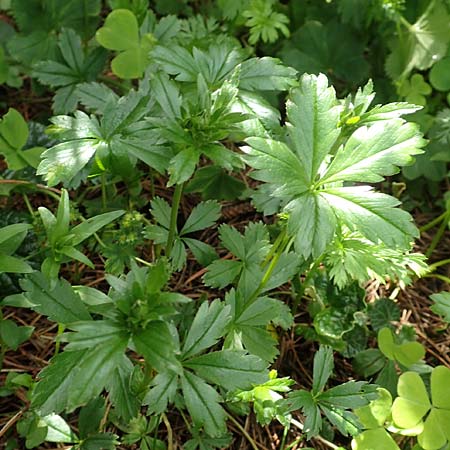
x,y
120,31
440,382
374,440
375,414
412,402
440,75
433,436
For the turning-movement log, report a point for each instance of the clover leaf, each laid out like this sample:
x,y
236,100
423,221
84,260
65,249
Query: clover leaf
x,y
120,32
415,89
413,403
406,353
440,75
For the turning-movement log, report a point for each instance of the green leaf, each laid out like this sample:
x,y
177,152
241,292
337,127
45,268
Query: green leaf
x,y
58,430
373,214
74,378
221,273
90,226
368,362
376,413
182,166
95,96
312,123
207,327
202,402
328,48
440,377
13,137
205,254
349,395
373,440
103,441
435,432
412,402
64,161
12,335
439,75
419,45
204,215
167,95
382,313
304,400
10,264
90,416
162,392
59,303
120,31
266,74
125,402
441,305
156,345
229,369
407,353
323,367
374,152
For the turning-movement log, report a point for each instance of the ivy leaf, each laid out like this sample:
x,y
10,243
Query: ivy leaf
x,y
419,45
202,402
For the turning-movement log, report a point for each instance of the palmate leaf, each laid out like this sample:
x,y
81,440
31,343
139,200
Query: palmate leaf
x,y
307,171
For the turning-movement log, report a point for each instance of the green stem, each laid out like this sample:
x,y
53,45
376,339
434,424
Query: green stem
x,y
243,431
27,202
434,222
104,201
436,238
61,328
173,218
438,276
437,264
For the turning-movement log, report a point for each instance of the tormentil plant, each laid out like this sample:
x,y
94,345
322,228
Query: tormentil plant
x,y
148,346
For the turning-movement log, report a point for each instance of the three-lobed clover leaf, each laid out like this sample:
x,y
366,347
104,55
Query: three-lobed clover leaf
x,y
308,171
13,137
407,353
413,404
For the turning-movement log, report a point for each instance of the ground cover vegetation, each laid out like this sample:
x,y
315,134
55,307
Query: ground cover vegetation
x,y
224,224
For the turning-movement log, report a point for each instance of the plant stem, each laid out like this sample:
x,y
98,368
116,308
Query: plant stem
x,y
173,218
436,238
243,431
438,276
103,192
61,328
55,193
437,264
434,222
27,202
169,432
299,425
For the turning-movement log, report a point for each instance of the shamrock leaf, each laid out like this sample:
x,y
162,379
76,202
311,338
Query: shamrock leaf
x,y
13,137
407,353
413,404
120,32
